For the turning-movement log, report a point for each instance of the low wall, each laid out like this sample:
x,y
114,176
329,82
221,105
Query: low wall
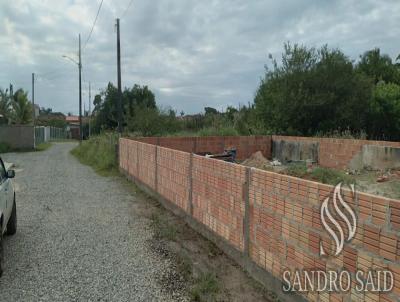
x,y
334,152
271,222
245,145
17,137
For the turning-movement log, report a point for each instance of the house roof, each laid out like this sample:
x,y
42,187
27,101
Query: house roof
x,y
72,118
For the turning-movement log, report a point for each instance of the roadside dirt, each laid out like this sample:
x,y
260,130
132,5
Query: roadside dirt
x,y
201,268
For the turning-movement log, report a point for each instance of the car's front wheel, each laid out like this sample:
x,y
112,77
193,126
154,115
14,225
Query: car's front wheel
x,y
12,222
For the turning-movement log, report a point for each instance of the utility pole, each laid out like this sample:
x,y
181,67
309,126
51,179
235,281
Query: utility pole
x,y
11,91
80,92
33,99
119,80
90,111
33,109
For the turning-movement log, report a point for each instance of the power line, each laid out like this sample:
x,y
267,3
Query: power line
x,y
126,10
94,23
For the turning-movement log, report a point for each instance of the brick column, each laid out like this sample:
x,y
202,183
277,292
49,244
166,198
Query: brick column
x,y
246,219
156,169
191,184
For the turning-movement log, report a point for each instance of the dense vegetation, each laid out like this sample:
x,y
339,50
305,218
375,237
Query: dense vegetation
x,y
142,116
322,90
309,92
99,152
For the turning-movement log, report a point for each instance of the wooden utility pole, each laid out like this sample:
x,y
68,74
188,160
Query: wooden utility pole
x,y
80,92
33,99
90,111
119,80
33,110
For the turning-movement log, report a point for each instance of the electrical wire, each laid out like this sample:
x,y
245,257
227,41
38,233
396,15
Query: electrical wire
x,y
126,10
94,23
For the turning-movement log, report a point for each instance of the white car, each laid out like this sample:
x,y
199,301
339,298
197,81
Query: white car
x,y
8,210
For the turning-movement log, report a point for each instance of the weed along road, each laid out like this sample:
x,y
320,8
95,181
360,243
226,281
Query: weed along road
x,y
79,237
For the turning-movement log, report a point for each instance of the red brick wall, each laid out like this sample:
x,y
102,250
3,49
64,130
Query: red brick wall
x,y
218,197
173,176
334,152
245,145
217,186
284,214
286,231
138,159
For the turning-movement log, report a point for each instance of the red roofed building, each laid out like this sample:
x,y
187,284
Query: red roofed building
x,y
73,126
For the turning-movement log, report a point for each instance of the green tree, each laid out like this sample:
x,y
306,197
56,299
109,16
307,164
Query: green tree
x,y
379,67
312,90
145,122
138,97
5,106
134,102
210,110
21,108
384,122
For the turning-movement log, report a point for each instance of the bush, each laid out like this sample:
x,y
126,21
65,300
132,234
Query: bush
x,y
313,90
320,174
223,131
4,148
331,176
99,153
206,287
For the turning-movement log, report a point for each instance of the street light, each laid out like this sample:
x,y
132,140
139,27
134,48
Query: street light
x,y
79,63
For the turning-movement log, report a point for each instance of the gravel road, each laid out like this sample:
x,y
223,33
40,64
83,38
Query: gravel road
x,y
78,238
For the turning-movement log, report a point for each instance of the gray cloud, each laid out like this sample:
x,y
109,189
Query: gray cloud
x,y
191,53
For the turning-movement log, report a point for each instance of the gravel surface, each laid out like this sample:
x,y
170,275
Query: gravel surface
x,y
78,238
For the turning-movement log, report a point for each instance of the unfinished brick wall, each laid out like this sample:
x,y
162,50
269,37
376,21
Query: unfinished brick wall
x,y
245,145
173,172
334,152
286,231
283,228
218,197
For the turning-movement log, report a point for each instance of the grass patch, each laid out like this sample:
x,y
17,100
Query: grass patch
x,y
205,288
320,174
331,176
163,228
297,170
222,131
99,153
4,148
43,146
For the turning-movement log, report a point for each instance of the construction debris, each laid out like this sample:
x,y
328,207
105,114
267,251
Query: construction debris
x,y
275,162
229,155
256,160
382,178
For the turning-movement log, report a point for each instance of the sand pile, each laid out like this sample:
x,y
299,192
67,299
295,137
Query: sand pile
x,y
256,160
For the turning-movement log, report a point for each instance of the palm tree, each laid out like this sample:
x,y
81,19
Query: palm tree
x,y
5,106
21,108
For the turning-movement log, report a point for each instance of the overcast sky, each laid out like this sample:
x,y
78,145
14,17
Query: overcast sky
x,y
192,54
